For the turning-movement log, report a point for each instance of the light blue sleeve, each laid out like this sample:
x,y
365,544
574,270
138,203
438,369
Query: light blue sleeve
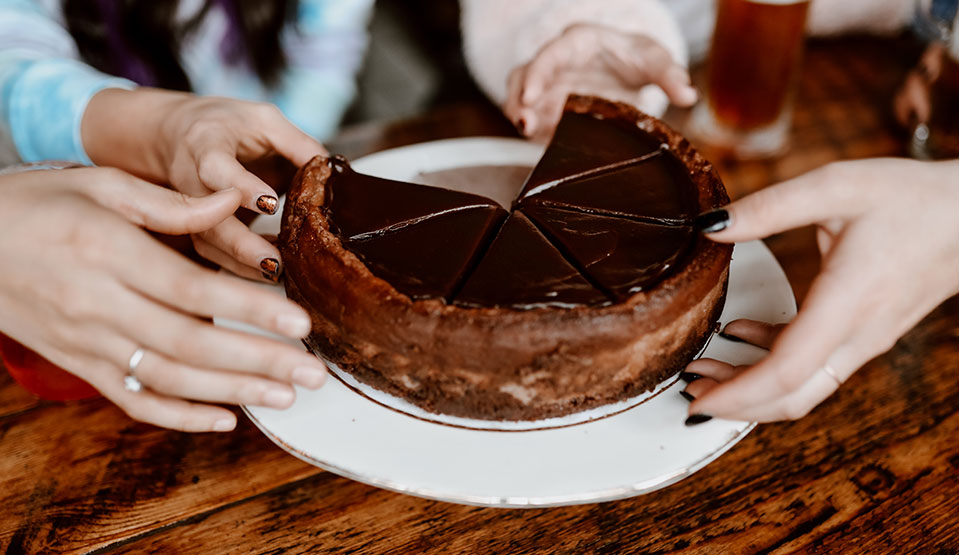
x,y
325,51
44,87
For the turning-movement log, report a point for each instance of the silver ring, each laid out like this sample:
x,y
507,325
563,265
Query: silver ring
x,y
831,372
130,381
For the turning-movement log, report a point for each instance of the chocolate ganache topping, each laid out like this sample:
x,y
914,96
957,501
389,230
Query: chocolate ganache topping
x,y
604,214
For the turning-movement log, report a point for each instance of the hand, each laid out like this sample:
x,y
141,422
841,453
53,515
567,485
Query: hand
x,y
200,145
85,287
913,102
591,59
889,238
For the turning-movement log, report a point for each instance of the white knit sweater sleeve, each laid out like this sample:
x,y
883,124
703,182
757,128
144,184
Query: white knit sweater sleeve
x,y
830,17
499,35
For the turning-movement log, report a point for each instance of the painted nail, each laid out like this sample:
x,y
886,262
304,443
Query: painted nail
x,y
698,419
279,398
271,266
224,425
311,378
270,277
689,377
293,325
687,395
267,204
730,337
712,221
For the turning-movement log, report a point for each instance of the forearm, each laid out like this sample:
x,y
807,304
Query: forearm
x,y
500,35
124,129
44,87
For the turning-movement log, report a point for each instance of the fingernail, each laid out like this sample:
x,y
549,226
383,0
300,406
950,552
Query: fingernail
x,y
311,378
698,419
279,398
687,395
270,277
267,204
689,377
729,337
224,425
521,125
270,265
712,221
293,325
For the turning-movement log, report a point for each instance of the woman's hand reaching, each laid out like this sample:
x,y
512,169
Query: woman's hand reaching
x,y
200,145
888,232
86,287
591,59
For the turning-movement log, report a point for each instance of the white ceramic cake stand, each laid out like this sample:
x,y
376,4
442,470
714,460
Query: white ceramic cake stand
x,y
635,447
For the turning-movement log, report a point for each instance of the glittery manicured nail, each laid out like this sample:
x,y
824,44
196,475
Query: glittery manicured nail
x,y
267,204
713,221
689,377
687,395
270,266
730,337
270,277
698,419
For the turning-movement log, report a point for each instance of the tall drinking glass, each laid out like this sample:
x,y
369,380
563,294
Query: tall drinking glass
x,y
753,68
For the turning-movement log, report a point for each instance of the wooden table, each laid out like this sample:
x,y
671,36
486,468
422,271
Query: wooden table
x,y
875,469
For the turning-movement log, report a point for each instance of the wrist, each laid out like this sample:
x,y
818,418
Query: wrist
x,y
125,129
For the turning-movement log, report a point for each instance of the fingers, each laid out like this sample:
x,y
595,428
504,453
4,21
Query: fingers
x,y
152,408
219,169
760,334
643,61
234,239
287,139
156,208
717,370
514,104
227,262
167,377
815,197
177,282
200,344
804,346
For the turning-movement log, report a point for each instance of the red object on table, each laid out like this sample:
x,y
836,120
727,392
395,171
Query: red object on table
x,y
40,376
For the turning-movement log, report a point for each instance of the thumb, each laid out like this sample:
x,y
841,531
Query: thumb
x,y
158,209
816,197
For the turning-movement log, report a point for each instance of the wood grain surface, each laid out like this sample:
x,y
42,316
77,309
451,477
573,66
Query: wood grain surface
x,y
874,469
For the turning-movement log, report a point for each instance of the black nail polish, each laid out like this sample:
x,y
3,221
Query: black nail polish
x,y
687,395
698,419
712,221
729,337
267,204
270,266
689,377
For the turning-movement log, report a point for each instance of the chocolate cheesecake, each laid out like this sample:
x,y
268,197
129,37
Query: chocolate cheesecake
x,y
590,288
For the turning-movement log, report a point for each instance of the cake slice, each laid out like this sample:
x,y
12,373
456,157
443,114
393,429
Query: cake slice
x,y
523,269
360,204
656,188
427,258
584,142
620,255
